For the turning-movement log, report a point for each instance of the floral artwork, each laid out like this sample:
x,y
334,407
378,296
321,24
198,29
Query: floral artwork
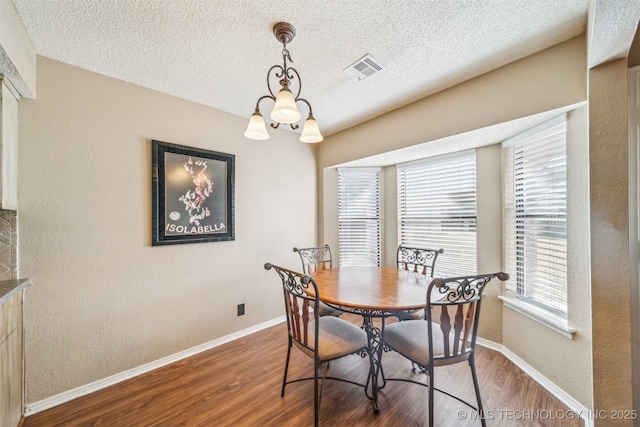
x,y
193,195
203,187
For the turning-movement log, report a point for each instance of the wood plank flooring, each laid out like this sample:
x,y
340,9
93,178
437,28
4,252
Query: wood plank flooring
x,y
238,384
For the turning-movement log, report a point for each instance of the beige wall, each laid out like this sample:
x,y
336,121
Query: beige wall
x,y
389,200
546,81
608,154
103,300
489,235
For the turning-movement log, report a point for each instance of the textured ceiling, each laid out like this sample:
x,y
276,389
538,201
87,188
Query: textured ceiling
x,y
217,53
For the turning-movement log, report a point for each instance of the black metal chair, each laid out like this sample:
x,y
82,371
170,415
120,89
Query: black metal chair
x,y
418,260
452,339
322,338
315,259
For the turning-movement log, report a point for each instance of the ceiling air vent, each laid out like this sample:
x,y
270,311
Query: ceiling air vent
x,y
364,67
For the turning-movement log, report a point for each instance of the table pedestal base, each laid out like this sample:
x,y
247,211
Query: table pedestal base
x,y
376,379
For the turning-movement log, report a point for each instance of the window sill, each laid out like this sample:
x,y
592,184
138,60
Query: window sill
x,y
551,321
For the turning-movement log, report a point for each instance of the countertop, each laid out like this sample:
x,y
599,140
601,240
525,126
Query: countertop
x,y
10,287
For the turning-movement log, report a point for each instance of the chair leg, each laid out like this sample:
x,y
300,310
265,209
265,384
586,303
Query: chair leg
x,y
472,365
286,368
324,374
431,392
380,351
316,394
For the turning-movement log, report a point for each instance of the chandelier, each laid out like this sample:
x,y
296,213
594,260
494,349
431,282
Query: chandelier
x,y
285,110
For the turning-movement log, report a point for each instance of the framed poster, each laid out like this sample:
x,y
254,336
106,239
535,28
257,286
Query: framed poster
x,y
193,195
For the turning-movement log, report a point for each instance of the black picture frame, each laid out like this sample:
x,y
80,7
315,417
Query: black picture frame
x,y
193,195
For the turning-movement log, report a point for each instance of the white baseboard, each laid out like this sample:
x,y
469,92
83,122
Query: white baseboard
x,y
552,388
69,395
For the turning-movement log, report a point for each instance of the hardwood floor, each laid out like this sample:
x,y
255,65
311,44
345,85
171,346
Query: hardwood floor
x,y
238,384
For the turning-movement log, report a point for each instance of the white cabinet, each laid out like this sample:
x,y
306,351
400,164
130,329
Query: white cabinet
x,y
8,147
11,352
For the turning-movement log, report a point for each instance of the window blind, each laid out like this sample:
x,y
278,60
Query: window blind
x,y
359,216
437,209
536,215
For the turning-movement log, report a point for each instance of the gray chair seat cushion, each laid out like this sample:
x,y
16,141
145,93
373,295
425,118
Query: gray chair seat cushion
x,y
326,310
411,339
337,338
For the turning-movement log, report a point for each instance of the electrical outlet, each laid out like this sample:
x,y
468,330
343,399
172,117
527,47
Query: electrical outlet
x,y
240,309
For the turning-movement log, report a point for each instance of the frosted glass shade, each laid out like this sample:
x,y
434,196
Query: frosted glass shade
x,y
285,110
256,128
310,131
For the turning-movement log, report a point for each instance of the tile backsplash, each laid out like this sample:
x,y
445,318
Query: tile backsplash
x,y
8,245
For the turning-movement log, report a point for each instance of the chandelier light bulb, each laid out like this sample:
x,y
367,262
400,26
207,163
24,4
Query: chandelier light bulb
x,y
310,131
285,110
256,129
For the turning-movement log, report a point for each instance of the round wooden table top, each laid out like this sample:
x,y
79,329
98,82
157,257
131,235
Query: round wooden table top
x,y
372,288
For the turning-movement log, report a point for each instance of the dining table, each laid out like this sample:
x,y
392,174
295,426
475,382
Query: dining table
x,y
373,293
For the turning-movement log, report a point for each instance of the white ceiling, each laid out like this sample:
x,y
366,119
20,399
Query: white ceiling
x,y
217,53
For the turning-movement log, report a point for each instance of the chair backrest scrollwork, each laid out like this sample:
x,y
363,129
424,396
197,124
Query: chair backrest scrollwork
x,y
314,258
418,260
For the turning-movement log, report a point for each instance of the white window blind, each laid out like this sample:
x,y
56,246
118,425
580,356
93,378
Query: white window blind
x,y
359,216
536,215
437,209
